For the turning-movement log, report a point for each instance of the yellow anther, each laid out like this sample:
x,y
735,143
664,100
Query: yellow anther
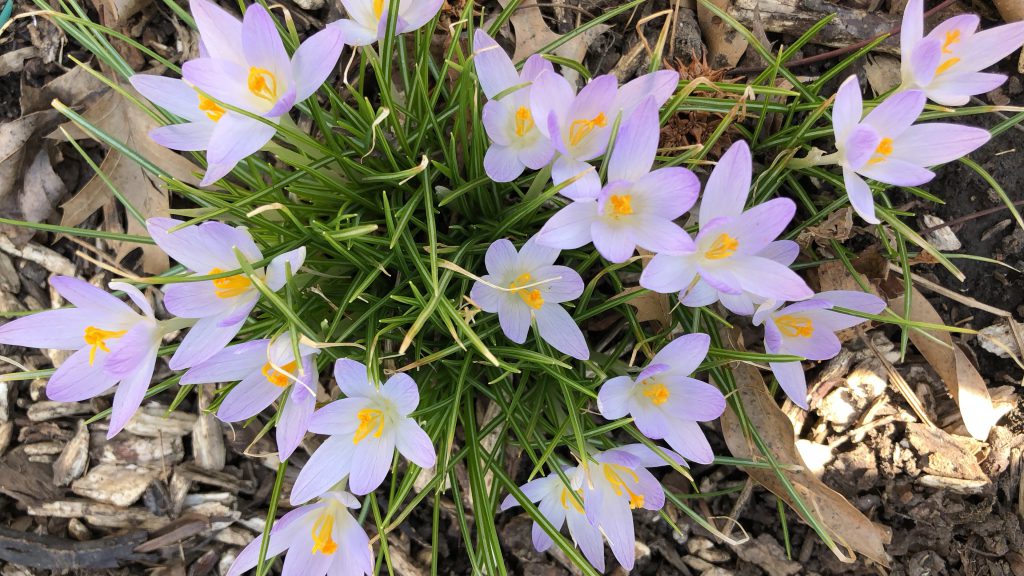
x,y
621,204
231,286
533,298
568,500
952,37
323,541
212,110
882,152
579,129
378,8
656,391
795,326
370,421
263,84
946,65
611,473
277,377
524,121
723,247
97,338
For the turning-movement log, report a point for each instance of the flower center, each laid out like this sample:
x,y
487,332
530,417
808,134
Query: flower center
x,y
323,542
213,111
795,326
656,391
612,474
370,421
568,500
533,298
524,121
882,152
263,84
279,378
378,8
621,204
231,286
723,247
579,129
97,338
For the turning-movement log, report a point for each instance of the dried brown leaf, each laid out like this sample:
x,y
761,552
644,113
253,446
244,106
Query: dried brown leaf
x,y
846,525
28,186
533,33
965,384
725,44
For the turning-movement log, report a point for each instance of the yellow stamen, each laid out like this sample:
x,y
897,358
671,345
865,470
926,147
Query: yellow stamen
x,y
97,339
621,204
579,129
568,500
263,84
795,326
213,111
524,121
656,391
277,377
231,286
952,37
378,8
946,65
882,152
723,247
611,473
533,298
323,542
370,420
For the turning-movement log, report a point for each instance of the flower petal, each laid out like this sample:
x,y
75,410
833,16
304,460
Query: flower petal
x,y
223,80
189,137
294,420
668,192
130,392
281,536
315,59
229,365
338,418
729,184
896,113
660,85
354,33
594,99
262,45
614,241
784,252
485,297
127,351
78,380
688,439
401,390
691,399
558,329
514,317
171,94
769,279
569,285
613,398
221,32
276,276
570,227
500,259
860,196
194,299
667,273
792,381
897,172
534,255
550,94
860,145
636,144
207,337
925,61
702,294
416,14
658,234
684,353
847,109
59,329
353,380
759,226
957,89
538,154
331,462
371,460
912,27
588,538
494,68
587,183
936,143
86,296
502,163
413,443
985,48
248,398
236,138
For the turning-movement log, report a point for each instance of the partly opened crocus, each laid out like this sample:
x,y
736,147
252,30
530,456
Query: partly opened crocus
x,y
321,539
114,344
516,141
367,20
525,285
946,64
884,146
665,402
365,428
808,329
559,505
265,370
222,304
729,247
637,207
244,65
580,125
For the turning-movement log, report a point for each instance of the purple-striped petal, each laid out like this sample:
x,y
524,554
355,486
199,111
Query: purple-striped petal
x,y
985,48
194,299
568,285
127,351
687,438
57,329
757,227
660,85
769,279
486,298
236,138
784,252
223,80
558,329
130,392
925,61
76,380
587,183
659,234
533,255
204,339
86,296
262,44
551,94
339,418
294,420
684,353
860,146
588,538
190,137
281,536
613,240
500,258
514,317
371,460
331,462
912,28
636,144
729,184
416,14
957,89
667,192
897,172
691,399
502,163
702,294
354,33
401,390
248,398
171,94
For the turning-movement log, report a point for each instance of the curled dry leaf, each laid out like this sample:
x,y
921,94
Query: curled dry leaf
x,y
28,186
846,525
965,384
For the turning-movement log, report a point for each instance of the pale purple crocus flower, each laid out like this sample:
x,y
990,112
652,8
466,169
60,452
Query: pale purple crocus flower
x,y
222,305
637,206
946,64
665,402
616,482
526,285
244,64
745,303
731,244
368,19
113,343
321,539
580,125
886,147
807,329
556,502
265,371
365,429
516,141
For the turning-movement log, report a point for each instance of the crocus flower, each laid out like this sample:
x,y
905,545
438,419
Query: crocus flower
x,y
946,64
808,329
665,402
368,19
535,287
321,538
265,370
365,428
637,207
580,125
729,246
885,147
516,142
221,305
616,482
245,65
745,303
114,344
556,502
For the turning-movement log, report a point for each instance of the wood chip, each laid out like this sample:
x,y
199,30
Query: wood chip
x,y
75,457
52,261
112,484
49,410
153,421
207,437
127,448
59,554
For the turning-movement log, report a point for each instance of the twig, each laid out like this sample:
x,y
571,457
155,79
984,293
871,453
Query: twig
x,y
969,217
